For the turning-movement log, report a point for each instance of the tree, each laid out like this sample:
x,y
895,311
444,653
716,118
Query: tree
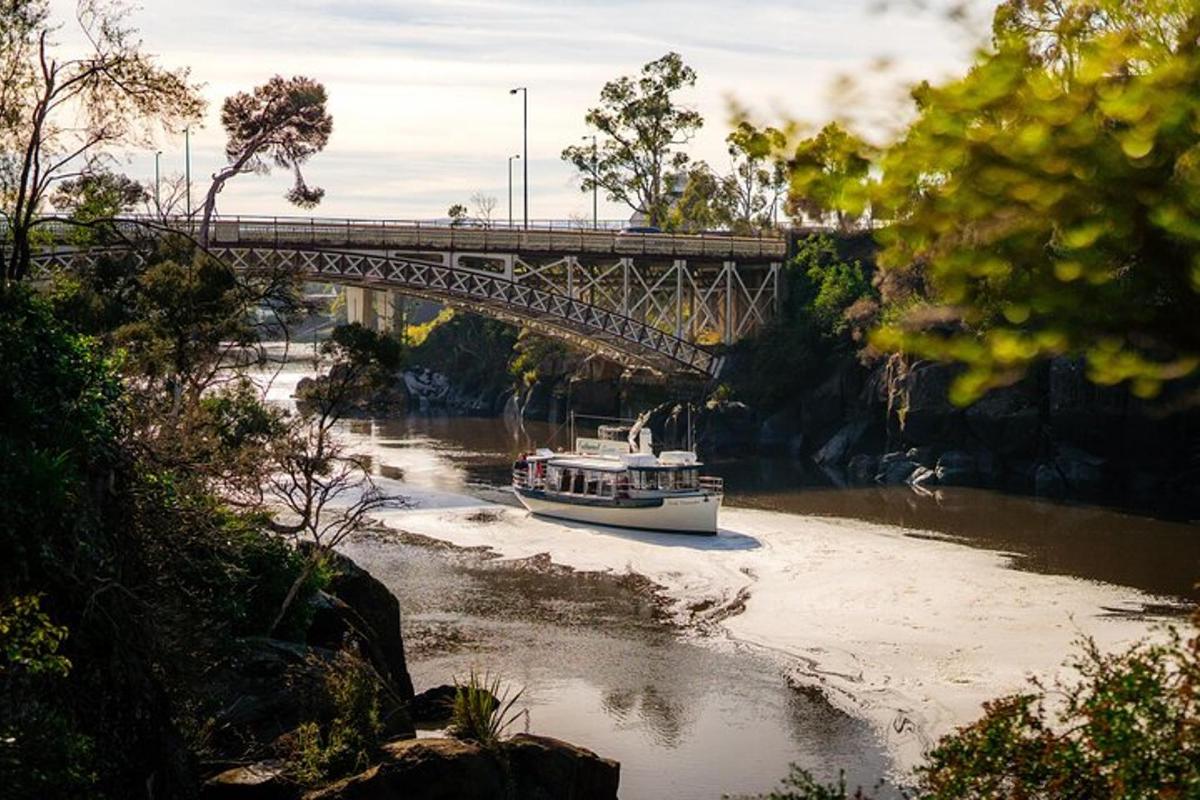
x,y
704,204
99,195
458,214
1049,202
829,175
641,126
325,490
59,115
282,123
1056,32
485,206
758,175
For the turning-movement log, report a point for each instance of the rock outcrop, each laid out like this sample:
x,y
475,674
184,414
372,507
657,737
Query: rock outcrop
x,y
368,611
528,767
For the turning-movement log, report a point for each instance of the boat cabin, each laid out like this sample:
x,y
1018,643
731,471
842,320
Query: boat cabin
x,y
630,475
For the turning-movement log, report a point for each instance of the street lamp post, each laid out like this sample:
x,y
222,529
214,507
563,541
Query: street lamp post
x,y
157,182
524,90
187,167
595,185
510,217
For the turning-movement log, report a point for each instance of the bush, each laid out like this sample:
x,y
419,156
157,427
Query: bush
x,y
1128,728
345,736
483,709
40,753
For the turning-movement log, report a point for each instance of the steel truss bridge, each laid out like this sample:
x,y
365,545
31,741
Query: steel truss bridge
x,y
665,301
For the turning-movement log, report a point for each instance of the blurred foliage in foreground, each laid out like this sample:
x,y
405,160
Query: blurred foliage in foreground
x,y
1127,727
1046,203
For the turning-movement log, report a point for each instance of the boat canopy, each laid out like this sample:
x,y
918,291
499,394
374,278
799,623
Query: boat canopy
x,y
583,462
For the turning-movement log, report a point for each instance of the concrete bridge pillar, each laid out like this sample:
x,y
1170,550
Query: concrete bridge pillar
x,y
360,307
381,310
389,312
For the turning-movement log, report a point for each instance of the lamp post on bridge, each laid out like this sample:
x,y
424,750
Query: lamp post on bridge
x,y
524,90
510,217
187,168
595,185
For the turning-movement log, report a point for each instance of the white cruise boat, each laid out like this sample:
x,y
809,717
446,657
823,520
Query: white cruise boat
x,y
621,484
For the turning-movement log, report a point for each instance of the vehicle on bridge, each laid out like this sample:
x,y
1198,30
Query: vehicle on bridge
x,y
620,483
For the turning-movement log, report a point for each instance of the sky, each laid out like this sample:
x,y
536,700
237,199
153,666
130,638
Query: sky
x,y
418,89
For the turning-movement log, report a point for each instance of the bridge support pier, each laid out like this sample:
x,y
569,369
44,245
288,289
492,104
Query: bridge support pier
x,y
360,307
381,310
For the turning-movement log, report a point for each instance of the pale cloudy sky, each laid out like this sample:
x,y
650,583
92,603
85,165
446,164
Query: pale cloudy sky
x,y
419,88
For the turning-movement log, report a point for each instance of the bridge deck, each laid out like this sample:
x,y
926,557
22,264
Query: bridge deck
x,y
417,236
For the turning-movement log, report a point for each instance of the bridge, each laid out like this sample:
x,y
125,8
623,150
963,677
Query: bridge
x,y
665,301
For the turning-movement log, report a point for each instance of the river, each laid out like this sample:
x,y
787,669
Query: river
x,y
836,629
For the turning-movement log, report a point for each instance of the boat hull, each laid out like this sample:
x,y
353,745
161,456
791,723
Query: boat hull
x,y
692,514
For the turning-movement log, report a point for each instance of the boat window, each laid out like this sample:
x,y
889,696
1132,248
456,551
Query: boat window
x,y
606,486
577,482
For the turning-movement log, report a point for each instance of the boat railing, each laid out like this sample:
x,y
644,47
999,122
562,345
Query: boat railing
x,y
710,483
520,479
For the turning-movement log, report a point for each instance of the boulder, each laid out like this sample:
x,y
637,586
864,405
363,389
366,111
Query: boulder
x,y
424,769
1048,482
862,469
922,477
777,432
549,769
843,444
1007,420
434,705
379,611
1081,413
896,473
957,468
726,426
922,455
262,691
263,780
1083,472
919,407
825,407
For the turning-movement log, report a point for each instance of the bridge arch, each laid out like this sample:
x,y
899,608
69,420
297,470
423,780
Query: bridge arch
x,y
659,301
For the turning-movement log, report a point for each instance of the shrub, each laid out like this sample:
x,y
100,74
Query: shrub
x,y
345,736
40,753
1128,727
483,709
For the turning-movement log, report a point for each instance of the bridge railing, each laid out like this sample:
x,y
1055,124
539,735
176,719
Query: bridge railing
x,y
440,235
415,234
